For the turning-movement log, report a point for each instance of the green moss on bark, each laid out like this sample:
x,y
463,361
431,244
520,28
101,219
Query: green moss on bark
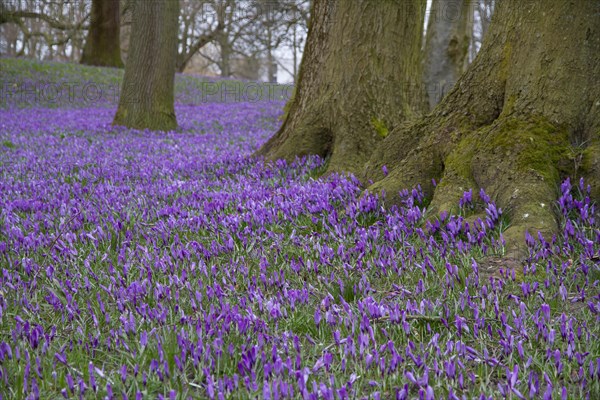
x,y
534,143
380,127
457,177
590,165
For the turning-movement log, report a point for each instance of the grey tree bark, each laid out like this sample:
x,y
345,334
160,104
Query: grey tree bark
x,y
147,94
449,32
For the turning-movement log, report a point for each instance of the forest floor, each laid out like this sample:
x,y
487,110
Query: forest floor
x,y
174,265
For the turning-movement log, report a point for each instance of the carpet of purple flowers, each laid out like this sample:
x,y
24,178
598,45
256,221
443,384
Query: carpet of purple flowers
x,y
148,265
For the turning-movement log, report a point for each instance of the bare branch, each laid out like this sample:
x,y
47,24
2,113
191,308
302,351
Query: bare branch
x,y
202,41
16,15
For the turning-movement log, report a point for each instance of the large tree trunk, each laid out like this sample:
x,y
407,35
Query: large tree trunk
x,y
147,93
102,46
525,114
449,33
359,79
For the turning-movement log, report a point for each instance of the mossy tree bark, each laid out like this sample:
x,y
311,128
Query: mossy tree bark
x,y
524,115
147,96
360,78
102,46
449,33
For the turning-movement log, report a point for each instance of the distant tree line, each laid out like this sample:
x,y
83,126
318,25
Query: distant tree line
x,y
229,38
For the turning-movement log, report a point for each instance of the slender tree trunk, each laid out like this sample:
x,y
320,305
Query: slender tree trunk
x,y
102,46
449,33
525,114
184,44
147,93
34,49
271,65
225,50
225,56
360,78
295,47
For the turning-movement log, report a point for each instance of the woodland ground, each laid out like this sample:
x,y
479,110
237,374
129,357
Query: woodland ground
x,y
139,264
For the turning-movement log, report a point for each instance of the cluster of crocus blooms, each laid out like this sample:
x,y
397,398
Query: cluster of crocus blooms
x,y
136,264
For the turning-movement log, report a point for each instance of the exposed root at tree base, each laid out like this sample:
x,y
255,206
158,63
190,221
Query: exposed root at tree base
x,y
518,162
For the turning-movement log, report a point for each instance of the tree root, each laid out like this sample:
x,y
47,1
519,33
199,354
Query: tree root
x,y
518,162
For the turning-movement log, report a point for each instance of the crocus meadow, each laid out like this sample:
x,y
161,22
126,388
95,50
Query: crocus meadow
x,y
138,264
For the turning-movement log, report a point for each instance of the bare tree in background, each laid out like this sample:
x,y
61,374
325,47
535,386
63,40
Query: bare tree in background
x,y
299,13
53,30
196,30
276,27
482,17
102,46
455,33
235,19
449,34
264,29
269,32
239,38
